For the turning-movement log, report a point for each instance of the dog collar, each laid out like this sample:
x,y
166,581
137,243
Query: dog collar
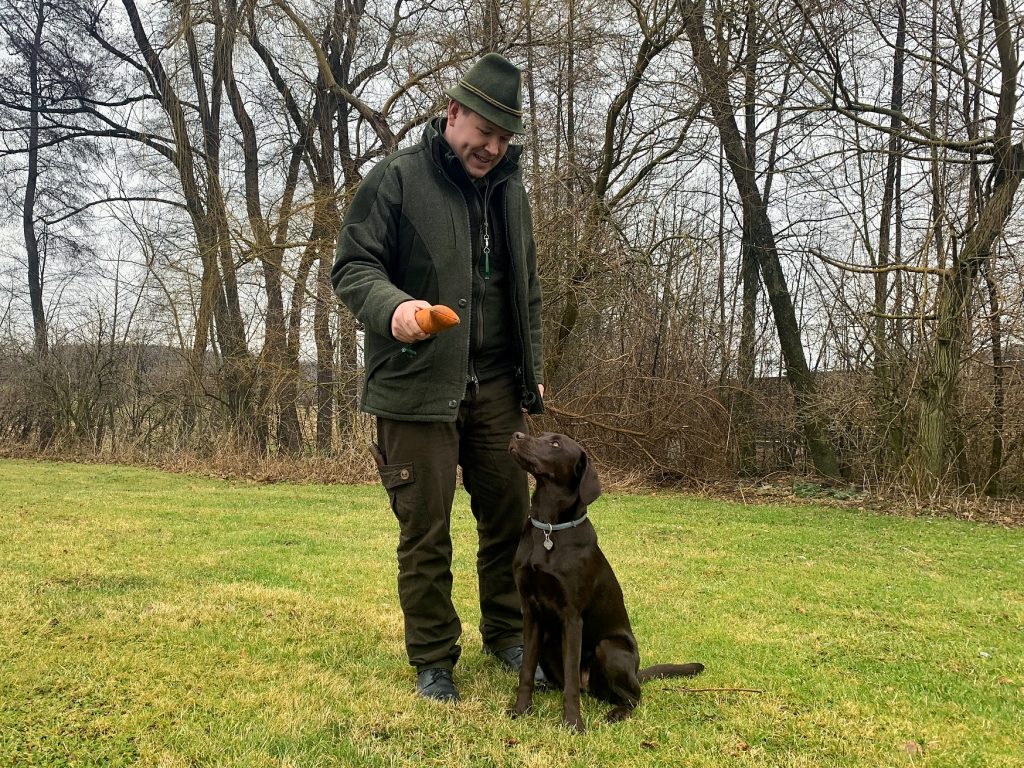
x,y
550,528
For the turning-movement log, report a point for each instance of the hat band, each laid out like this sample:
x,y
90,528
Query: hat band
x,y
489,100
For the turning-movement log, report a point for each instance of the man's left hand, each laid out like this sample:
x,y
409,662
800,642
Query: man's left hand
x,y
540,388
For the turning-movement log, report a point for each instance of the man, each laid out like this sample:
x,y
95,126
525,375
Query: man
x,y
448,222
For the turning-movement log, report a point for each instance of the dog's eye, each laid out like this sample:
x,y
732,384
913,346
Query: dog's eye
x,y
554,443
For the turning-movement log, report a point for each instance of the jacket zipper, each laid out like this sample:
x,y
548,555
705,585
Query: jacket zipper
x,y
485,256
487,243
471,377
485,230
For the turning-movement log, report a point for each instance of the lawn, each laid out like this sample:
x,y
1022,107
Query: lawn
x,y
169,620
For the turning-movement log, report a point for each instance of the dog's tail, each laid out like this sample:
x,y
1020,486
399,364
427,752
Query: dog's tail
x,y
659,671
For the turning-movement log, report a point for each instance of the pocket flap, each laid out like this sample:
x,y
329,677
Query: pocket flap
x,y
394,475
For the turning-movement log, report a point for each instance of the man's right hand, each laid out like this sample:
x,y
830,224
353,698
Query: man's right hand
x,y
403,323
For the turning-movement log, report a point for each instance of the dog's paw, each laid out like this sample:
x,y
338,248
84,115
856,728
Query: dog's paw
x,y
618,714
575,724
519,711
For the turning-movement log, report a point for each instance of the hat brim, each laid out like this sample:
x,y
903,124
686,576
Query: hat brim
x,y
489,112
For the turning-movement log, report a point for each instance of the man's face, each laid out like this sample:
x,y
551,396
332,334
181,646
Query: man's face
x,y
477,142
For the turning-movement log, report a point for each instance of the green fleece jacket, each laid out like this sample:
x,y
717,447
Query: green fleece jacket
x,y
407,235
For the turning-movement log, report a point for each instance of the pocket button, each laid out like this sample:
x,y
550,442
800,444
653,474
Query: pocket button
x,y
404,474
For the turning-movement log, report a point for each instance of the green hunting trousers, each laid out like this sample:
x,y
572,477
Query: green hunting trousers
x,y
419,473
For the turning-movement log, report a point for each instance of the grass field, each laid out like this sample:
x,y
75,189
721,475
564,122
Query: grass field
x,y
167,620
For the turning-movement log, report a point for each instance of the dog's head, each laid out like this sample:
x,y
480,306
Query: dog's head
x,y
557,460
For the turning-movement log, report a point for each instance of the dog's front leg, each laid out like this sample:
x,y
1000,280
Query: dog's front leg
x,y
572,649
531,655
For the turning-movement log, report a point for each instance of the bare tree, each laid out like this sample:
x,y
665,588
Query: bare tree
x,y
975,66
31,84
49,73
758,231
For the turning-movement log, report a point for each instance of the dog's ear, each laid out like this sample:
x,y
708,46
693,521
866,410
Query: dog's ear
x,y
590,485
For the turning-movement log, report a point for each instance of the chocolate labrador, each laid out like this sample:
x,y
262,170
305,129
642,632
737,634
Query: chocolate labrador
x,y
574,619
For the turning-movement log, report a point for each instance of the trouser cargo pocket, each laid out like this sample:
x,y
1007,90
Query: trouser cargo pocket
x,y
399,481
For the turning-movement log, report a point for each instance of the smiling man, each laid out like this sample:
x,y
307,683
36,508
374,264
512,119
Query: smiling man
x,y
448,222
476,141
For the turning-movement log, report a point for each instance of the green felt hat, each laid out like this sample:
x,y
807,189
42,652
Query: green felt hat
x,y
493,88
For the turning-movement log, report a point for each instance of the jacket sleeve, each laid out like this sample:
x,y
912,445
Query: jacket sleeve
x,y
367,251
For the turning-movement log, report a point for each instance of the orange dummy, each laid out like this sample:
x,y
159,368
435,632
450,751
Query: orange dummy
x,y
436,318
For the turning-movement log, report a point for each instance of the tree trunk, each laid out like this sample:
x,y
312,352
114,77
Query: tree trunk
x,y
277,386
886,391
931,461
746,398
45,426
993,484
493,33
35,269
714,82
746,404
322,313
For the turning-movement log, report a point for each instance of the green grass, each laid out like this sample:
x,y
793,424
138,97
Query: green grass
x,y
168,620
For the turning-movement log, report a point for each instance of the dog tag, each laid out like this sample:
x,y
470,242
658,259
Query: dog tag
x,y
548,543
